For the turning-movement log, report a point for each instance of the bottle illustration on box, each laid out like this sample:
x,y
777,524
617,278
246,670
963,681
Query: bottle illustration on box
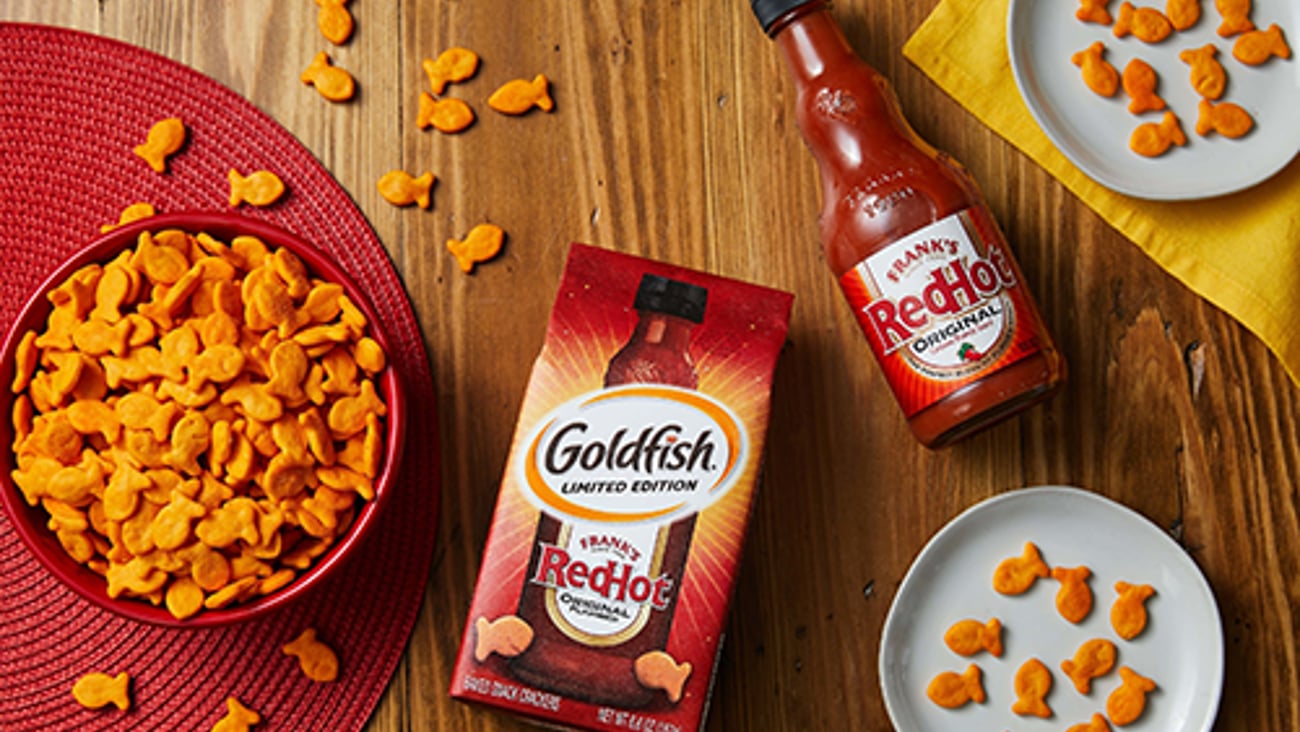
x,y
593,624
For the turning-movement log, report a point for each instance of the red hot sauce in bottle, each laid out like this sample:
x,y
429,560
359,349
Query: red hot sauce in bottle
x,y
917,253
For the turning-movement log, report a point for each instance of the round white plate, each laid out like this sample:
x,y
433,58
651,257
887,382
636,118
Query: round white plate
x,y
1093,131
951,579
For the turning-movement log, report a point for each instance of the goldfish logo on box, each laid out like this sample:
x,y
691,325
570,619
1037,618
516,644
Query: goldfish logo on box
x,y
635,453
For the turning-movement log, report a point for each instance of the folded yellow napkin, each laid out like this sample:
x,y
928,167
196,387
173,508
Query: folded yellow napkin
x,y
1240,251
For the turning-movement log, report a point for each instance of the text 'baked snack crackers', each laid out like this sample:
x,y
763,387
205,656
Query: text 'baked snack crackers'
x,y
613,551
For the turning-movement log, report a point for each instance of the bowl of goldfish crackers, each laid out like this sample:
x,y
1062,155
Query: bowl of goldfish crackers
x,y
201,420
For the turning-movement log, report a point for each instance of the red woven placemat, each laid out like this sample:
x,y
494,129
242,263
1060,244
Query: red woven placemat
x,y
74,105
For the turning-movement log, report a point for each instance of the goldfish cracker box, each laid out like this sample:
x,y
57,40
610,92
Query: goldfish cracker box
x,y
612,554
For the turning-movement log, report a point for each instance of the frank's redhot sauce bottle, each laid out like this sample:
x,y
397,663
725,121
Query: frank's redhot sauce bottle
x,y
587,640
907,232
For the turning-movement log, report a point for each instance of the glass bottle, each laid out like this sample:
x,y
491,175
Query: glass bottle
x,y
908,234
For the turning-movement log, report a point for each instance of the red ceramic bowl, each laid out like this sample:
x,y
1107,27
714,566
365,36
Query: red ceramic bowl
x,y
30,522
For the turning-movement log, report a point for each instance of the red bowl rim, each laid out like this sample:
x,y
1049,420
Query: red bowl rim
x,y
91,586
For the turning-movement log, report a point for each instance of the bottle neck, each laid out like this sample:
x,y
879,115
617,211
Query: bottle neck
x,y
811,41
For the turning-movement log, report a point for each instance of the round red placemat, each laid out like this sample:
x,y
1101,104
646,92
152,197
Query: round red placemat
x,y
74,107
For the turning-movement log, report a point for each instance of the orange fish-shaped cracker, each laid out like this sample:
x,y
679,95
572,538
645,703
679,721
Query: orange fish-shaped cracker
x,y
1256,47
1094,11
1015,575
454,64
239,718
1128,614
1152,139
1140,82
1032,683
968,637
1227,119
1094,658
333,83
1183,14
1096,724
1147,24
1235,15
449,115
334,21
261,188
317,660
1127,702
1207,75
951,690
400,188
165,137
1074,599
479,245
1098,74
521,95
95,690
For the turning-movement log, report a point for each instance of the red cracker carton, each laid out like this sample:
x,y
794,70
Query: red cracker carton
x,y
613,550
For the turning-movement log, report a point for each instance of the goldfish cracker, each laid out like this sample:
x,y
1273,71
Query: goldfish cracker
x,y
1098,74
1015,575
658,670
332,82
1146,24
334,21
403,189
133,212
1207,75
95,690
1093,659
236,591
184,598
1225,118
1235,16
1128,614
968,637
1074,598
1032,683
482,243
25,359
238,718
448,115
1094,11
260,188
507,636
951,690
1140,81
1096,724
165,138
1183,14
1153,139
452,65
1255,47
317,660
1126,703
520,95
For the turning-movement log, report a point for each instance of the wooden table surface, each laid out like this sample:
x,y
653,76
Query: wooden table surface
x,y
674,138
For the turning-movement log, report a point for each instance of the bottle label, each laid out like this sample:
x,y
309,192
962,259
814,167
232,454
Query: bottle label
x,y
617,467
941,307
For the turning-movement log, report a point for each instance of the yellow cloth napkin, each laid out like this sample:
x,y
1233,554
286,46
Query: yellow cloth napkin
x,y
1240,251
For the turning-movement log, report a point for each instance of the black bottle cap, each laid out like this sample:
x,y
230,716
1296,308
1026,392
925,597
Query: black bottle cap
x,y
770,11
670,297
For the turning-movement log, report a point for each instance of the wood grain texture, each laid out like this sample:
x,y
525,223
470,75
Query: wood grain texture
x,y
674,138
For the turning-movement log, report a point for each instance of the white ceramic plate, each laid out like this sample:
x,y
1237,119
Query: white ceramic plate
x,y
951,579
1093,131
